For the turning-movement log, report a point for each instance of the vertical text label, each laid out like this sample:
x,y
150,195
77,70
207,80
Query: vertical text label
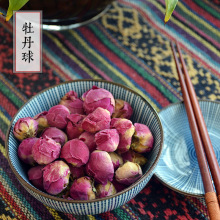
x,y
27,42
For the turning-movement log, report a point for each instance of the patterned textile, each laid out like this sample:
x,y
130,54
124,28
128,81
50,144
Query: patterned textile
x,y
129,45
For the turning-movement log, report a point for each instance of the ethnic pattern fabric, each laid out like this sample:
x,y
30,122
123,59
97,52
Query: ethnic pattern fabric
x,y
130,45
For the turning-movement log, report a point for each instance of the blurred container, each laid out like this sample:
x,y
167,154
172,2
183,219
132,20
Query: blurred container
x,y
66,14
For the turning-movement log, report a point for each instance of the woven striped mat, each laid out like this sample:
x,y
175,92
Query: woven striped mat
x,y
129,45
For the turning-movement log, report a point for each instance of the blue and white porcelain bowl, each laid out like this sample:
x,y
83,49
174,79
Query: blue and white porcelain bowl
x,y
143,113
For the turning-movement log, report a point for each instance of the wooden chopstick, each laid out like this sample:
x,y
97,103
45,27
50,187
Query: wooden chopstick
x,y
209,151
210,195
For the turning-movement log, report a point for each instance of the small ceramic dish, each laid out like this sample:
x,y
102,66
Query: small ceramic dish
x,y
178,167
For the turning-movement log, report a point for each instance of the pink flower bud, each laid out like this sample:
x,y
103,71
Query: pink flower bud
x,y
128,173
104,190
134,157
75,152
42,121
35,175
97,120
107,140
100,166
98,97
57,116
118,186
116,160
74,104
66,197
25,128
122,109
126,130
45,150
82,189
25,150
77,172
74,126
89,139
56,134
56,177
143,139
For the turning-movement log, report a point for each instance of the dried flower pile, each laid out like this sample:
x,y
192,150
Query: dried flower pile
x,y
84,148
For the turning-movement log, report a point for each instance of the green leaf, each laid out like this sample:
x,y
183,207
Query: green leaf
x,y
170,6
14,5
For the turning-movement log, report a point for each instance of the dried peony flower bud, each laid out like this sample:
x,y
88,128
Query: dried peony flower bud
x,y
56,134
143,139
74,126
77,172
107,140
65,194
89,139
75,152
97,120
82,189
126,130
118,186
74,104
45,150
66,197
57,116
56,177
25,150
104,190
98,97
134,157
25,128
35,175
128,173
100,166
42,121
116,160
122,109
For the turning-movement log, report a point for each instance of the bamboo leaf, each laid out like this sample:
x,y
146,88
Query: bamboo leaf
x,y
170,6
14,5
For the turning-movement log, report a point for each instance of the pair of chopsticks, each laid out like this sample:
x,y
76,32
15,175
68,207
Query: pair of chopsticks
x,y
205,154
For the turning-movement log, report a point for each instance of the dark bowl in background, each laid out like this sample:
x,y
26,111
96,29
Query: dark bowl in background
x,y
66,13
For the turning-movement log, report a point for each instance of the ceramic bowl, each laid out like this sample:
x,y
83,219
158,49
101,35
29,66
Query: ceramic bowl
x,y
143,113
